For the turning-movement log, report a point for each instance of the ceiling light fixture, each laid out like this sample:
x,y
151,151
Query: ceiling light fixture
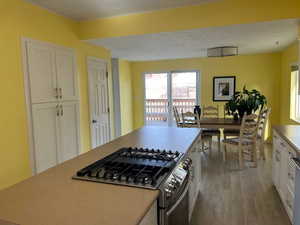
x,y
222,51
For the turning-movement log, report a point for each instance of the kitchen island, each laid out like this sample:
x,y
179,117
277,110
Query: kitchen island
x,y
53,198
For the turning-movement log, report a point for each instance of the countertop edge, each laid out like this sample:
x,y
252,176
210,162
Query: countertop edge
x,y
277,128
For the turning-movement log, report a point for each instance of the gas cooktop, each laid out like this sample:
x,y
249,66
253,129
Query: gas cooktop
x,y
138,167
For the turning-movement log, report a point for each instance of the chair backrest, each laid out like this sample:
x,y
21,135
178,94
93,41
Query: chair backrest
x,y
190,119
262,122
176,116
248,130
210,111
226,114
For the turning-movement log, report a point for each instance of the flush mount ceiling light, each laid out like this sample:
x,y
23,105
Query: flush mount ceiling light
x,y
222,51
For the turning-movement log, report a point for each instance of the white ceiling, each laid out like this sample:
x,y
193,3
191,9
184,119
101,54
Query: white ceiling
x,y
250,38
91,9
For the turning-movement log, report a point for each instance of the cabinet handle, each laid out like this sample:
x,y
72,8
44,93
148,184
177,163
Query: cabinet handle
x,y
56,93
291,176
57,110
61,110
289,204
60,91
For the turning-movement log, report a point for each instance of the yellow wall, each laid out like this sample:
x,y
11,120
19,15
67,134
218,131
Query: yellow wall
x,y
125,96
217,13
289,56
20,19
261,71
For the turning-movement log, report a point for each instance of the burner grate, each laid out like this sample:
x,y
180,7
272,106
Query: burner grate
x,y
132,167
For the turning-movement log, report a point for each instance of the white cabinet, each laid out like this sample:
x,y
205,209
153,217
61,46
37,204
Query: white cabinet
x,y
56,134
66,74
69,131
284,172
41,71
53,104
46,133
51,72
195,173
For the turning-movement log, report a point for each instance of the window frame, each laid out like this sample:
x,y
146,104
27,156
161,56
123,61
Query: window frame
x,y
295,93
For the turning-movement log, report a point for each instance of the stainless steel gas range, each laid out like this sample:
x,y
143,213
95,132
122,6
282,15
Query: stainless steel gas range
x,y
167,171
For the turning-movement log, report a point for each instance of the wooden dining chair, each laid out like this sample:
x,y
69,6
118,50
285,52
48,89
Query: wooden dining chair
x,y
261,130
246,142
211,112
230,132
190,119
177,117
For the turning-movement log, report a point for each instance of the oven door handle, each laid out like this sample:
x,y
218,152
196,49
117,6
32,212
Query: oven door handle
x,y
180,198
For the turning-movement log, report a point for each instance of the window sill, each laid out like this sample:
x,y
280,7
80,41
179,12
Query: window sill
x,y
295,120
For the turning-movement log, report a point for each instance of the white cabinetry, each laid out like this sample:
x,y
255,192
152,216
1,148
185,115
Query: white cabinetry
x,y
40,63
284,172
194,188
45,126
66,74
53,104
69,131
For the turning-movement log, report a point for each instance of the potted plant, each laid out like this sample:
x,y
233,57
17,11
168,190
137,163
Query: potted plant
x,y
245,101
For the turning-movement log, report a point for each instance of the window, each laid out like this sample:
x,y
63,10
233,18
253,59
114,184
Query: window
x,y
295,93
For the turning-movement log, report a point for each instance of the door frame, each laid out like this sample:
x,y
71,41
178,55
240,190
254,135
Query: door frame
x,y
169,90
25,67
97,60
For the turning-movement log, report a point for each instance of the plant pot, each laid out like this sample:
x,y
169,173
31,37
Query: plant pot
x,y
235,117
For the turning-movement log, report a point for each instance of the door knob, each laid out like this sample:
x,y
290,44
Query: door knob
x,y
94,121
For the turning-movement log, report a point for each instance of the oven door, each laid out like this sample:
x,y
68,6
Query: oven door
x,y
178,213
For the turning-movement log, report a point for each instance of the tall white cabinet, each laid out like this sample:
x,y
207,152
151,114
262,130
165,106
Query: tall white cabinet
x,y
283,173
52,102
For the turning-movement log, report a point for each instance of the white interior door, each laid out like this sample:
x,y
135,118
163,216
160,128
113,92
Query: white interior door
x,y
41,70
46,135
99,105
66,74
69,131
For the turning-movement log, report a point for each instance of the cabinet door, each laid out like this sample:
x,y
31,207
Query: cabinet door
x,y
276,168
66,74
69,130
283,174
45,132
41,71
195,174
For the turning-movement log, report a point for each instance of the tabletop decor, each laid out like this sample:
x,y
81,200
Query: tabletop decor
x,y
223,88
245,101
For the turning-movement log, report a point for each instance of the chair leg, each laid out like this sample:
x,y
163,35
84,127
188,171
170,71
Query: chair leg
x,y
262,151
202,147
254,150
219,143
210,144
241,161
225,144
224,153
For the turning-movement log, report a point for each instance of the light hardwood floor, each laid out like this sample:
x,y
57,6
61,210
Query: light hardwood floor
x,y
230,196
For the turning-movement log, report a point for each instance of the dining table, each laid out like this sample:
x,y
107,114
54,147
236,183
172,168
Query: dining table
x,y
216,123
220,123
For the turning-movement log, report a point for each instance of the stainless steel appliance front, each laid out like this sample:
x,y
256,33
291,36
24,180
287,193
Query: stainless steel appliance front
x,y
174,199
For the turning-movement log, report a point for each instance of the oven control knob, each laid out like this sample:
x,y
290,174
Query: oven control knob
x,y
168,192
172,187
187,164
174,181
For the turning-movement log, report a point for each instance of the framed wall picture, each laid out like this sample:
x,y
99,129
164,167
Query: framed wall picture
x,y
223,88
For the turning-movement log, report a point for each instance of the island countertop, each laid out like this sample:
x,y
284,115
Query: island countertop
x,y
53,198
291,134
